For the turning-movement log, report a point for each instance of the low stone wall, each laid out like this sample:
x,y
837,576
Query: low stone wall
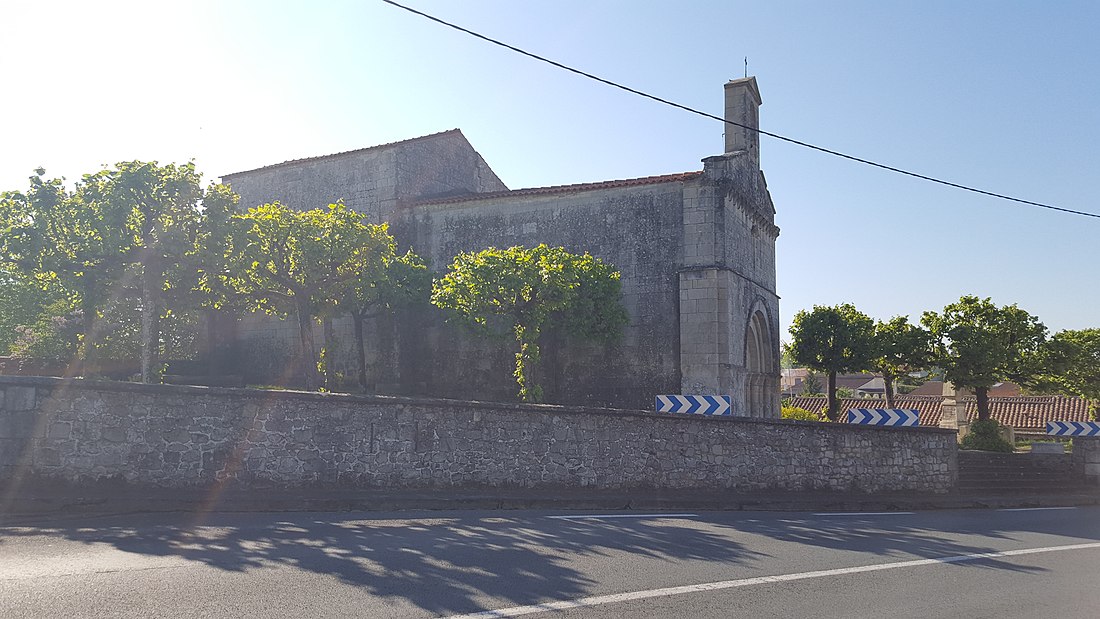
x,y
178,436
1086,458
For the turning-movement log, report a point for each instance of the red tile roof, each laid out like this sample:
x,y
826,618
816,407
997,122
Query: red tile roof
x,y
346,152
558,189
1022,412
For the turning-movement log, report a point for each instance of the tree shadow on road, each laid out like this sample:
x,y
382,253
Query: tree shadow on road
x,y
927,535
441,565
465,563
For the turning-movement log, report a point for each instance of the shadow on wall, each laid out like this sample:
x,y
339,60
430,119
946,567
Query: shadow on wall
x,y
447,564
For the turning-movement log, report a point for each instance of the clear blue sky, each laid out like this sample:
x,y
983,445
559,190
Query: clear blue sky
x,y
1001,95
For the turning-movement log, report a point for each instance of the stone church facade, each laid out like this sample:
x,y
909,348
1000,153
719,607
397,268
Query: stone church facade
x,y
696,251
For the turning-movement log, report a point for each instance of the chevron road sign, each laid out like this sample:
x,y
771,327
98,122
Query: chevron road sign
x,y
1073,428
695,404
883,416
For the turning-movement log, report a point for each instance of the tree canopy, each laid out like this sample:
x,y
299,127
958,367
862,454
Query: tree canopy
x,y
530,289
1071,365
302,263
160,206
978,344
831,340
394,282
66,244
900,348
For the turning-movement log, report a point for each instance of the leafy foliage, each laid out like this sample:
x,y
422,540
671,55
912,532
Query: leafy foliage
x,y
832,340
811,385
392,283
798,414
900,348
160,211
978,344
985,435
303,263
530,289
68,245
1071,365
21,304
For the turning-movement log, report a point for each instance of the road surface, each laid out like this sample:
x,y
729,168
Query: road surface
x,y
967,563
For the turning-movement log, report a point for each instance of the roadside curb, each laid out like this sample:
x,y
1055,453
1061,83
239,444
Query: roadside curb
x,y
28,505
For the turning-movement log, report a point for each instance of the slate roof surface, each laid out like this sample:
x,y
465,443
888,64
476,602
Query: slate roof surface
x,y
558,189
1022,412
346,152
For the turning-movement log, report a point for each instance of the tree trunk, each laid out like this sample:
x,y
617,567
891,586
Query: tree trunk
x,y
550,354
982,395
360,349
888,389
526,360
213,358
329,335
307,358
150,323
85,364
832,412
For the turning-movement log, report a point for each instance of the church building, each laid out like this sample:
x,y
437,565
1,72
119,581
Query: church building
x,y
696,251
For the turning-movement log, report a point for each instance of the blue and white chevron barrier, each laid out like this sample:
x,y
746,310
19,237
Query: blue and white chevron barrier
x,y
884,416
695,404
1073,428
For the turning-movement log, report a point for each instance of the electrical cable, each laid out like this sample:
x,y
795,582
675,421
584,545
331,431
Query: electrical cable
x,y
736,124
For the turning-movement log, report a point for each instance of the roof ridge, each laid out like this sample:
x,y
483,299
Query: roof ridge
x,y
346,152
554,189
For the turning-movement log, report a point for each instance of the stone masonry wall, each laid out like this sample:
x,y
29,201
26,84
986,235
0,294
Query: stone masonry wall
x,y
636,229
1086,458
172,436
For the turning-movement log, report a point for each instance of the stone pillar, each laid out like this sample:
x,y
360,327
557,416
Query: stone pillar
x,y
953,410
1086,458
704,293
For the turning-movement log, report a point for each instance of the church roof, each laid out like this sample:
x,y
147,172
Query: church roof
x,y
346,152
560,189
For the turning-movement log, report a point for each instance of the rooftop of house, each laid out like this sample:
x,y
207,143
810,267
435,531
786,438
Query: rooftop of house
x,y
1021,412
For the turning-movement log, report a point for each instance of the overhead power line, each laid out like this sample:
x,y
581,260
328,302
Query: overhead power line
x,y
736,124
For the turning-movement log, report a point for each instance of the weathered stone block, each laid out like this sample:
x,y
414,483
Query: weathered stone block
x,y
114,435
17,398
59,430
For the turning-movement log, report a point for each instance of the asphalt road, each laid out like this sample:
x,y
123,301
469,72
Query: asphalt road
x,y
973,563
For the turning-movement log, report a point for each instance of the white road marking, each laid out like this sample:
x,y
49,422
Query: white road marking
x,y
601,516
598,600
1032,509
863,514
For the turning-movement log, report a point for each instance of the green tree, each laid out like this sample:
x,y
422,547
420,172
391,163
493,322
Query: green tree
x,y
202,280
389,283
68,246
900,348
978,344
786,362
21,303
287,262
811,385
532,289
831,340
1071,365
161,210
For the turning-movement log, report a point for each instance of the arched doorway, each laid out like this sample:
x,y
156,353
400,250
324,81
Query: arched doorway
x,y
758,366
